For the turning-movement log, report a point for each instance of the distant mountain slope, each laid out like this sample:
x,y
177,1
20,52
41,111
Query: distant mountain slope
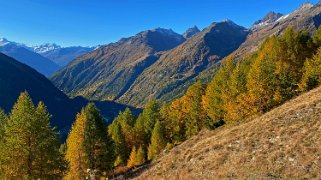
x,y
16,77
32,59
61,55
183,63
307,17
282,144
110,70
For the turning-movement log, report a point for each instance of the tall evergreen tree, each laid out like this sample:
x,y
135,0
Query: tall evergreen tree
x,y
196,117
139,132
127,122
212,100
173,118
30,147
233,95
316,38
150,116
158,142
3,122
311,72
75,153
132,158
261,80
145,123
88,146
98,145
140,156
121,151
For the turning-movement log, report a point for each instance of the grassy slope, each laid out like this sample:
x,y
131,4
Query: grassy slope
x,y
284,143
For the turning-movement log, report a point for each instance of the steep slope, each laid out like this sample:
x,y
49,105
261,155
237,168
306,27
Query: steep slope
x,y
16,77
282,144
110,70
307,17
61,55
185,62
32,59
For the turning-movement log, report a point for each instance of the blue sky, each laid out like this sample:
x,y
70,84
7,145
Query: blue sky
x,y
92,22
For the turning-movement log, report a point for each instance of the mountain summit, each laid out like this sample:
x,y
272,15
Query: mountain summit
x,y
271,17
190,32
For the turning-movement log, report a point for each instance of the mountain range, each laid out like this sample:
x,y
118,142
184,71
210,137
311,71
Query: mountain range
x,y
46,58
149,64
61,55
162,64
110,70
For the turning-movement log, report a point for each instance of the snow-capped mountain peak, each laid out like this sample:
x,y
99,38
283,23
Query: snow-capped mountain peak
x,y
4,41
45,47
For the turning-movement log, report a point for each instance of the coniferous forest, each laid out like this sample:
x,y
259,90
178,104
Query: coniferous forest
x,y
284,66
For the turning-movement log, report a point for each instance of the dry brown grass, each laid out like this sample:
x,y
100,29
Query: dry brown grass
x,y
282,144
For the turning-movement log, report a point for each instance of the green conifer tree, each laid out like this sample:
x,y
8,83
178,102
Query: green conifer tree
x,y
311,72
30,146
158,142
98,145
121,151
196,117
140,156
212,100
88,146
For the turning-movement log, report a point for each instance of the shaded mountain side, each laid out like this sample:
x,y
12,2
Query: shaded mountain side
x,y
177,68
307,17
32,59
16,77
284,143
108,72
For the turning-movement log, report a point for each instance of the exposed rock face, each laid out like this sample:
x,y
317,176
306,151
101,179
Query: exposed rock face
x,y
191,32
271,17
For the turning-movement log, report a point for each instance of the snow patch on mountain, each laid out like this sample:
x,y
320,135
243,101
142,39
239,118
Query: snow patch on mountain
x,y
45,47
283,17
